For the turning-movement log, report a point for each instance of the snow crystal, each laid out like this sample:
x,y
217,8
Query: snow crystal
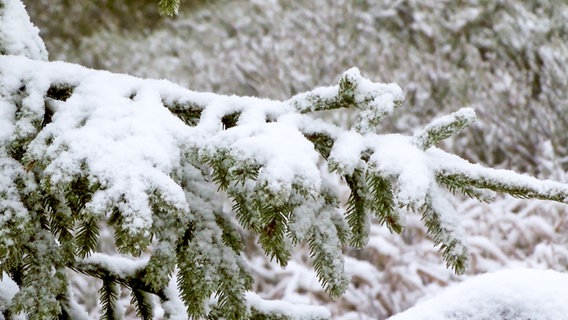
x,y
507,294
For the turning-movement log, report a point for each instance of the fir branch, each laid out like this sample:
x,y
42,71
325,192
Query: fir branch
x,y
142,304
125,240
192,283
87,236
230,237
516,189
80,191
323,143
383,203
273,231
42,279
456,185
220,164
230,120
159,269
58,218
341,226
357,209
109,293
327,259
189,113
246,212
234,281
316,101
133,279
443,233
444,127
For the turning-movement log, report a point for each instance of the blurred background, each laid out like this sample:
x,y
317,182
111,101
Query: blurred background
x,y
507,59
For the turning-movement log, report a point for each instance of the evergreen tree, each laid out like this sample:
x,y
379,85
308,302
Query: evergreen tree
x,y
82,149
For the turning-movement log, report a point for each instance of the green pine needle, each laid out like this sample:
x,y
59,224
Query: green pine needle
x,y
454,252
357,209
383,203
169,7
142,304
87,237
109,293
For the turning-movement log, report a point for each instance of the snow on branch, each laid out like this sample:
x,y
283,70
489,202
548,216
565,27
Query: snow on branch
x,y
153,160
18,36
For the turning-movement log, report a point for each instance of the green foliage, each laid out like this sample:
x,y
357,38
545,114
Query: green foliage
x,y
109,293
453,250
142,303
87,236
522,191
327,262
358,208
43,279
383,204
231,238
273,233
169,7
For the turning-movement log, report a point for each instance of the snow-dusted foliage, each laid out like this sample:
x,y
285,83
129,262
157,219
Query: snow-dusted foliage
x,y
83,149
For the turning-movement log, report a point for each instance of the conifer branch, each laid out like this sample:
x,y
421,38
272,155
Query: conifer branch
x,y
326,257
109,293
556,192
358,209
230,237
87,236
273,233
444,127
142,303
383,204
444,234
453,184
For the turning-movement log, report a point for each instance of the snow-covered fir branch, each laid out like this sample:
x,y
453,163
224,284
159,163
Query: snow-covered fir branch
x,y
81,148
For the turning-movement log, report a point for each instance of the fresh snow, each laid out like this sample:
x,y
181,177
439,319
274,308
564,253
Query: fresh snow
x,y
17,35
286,309
512,294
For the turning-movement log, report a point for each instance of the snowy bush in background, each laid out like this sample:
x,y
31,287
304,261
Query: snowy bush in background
x,y
390,274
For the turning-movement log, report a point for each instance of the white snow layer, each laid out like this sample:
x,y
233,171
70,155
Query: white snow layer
x,y
515,294
283,308
18,36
